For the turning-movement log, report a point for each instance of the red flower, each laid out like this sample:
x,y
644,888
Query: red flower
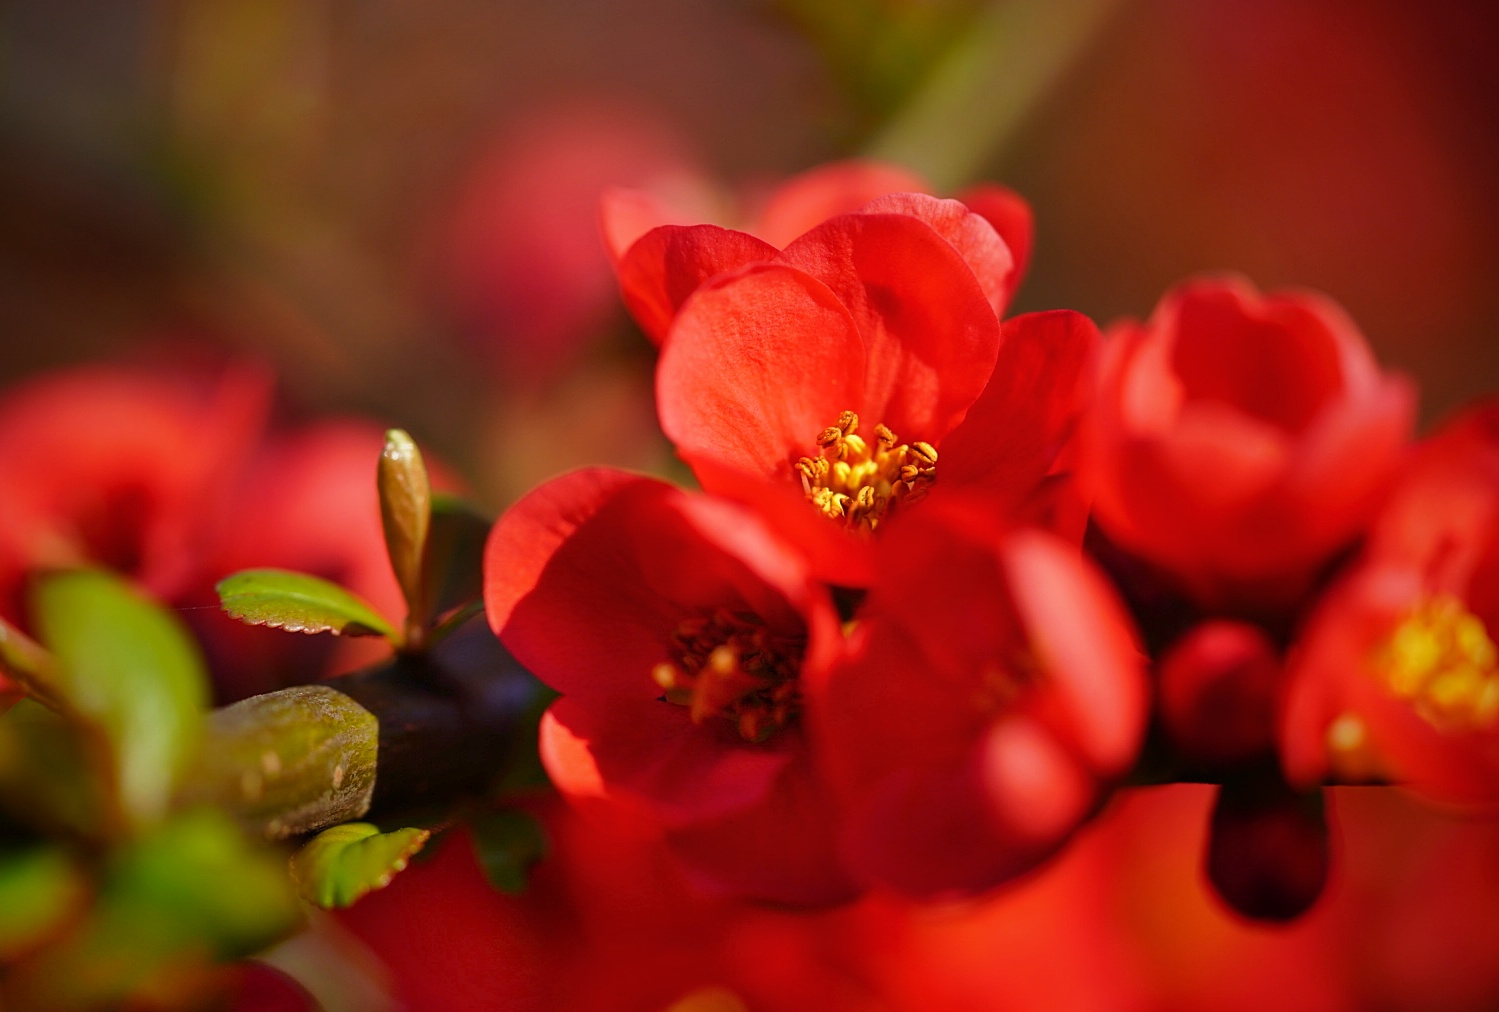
x,y
992,687
1239,440
660,259
678,631
822,384
1397,675
122,468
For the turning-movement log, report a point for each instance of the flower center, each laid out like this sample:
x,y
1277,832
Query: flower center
x,y
1442,661
857,484
729,664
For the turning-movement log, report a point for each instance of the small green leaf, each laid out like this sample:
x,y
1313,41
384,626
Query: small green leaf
x,y
299,602
39,890
288,762
507,844
406,515
131,670
341,864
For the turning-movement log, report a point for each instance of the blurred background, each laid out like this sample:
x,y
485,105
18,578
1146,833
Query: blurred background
x,y
394,202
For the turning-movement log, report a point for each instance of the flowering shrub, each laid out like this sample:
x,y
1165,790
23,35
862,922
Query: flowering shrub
x,y
955,587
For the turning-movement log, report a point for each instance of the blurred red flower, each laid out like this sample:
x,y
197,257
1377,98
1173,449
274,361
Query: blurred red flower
x,y
1397,675
125,468
991,691
1239,440
679,632
172,478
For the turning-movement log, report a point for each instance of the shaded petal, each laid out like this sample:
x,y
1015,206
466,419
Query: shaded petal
x,y
930,335
782,850
648,754
1035,787
830,553
1078,626
759,363
1027,412
971,235
1011,217
667,264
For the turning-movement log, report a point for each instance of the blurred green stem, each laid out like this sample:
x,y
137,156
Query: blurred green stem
x,y
982,91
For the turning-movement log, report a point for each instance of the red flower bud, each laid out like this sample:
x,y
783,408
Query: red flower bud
x,y
1239,440
1217,693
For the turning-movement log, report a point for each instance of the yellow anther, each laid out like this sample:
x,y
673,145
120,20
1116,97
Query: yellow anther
x,y
859,485
1442,660
732,665
925,453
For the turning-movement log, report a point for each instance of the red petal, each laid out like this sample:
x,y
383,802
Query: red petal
x,y
829,552
759,363
562,583
649,755
782,850
816,195
1276,359
1011,217
1083,635
974,238
1014,431
1034,785
930,335
668,264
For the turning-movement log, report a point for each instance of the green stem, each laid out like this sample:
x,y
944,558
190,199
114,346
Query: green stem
x,y
981,93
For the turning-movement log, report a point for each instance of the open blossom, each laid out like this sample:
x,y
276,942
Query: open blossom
x,y
1239,440
823,384
991,692
661,254
1397,676
679,633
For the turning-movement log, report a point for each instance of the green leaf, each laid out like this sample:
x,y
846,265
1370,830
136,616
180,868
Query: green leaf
x,y
39,890
406,515
992,79
192,891
48,778
299,602
341,864
288,762
129,668
507,844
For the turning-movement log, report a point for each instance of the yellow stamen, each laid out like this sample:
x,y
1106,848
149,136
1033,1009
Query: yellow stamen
x,y
729,664
1351,754
857,485
1441,660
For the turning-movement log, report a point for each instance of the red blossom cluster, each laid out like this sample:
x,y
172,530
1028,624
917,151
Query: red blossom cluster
x,y
952,577
176,478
